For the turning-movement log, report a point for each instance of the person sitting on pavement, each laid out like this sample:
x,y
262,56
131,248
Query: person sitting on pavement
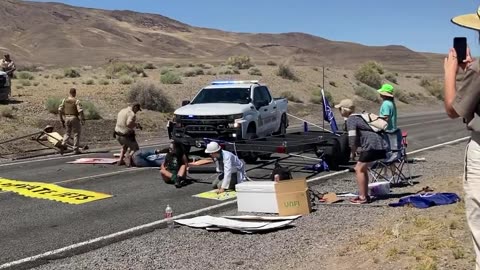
x,y
147,158
174,168
372,147
230,168
54,138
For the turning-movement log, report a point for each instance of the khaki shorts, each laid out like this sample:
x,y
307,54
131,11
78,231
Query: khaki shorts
x,y
128,142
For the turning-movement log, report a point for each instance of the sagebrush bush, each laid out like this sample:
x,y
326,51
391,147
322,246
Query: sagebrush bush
x,y
125,79
29,68
228,70
170,78
367,93
401,96
271,63
149,66
71,73
25,83
89,82
287,73
118,69
391,77
240,62
23,75
150,97
255,72
434,87
36,84
189,73
318,99
90,111
52,104
103,82
57,76
332,83
165,70
369,75
290,97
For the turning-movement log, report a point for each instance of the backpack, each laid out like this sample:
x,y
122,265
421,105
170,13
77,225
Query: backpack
x,y
374,121
283,172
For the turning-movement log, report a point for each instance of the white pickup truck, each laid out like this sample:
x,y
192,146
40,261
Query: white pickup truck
x,y
230,111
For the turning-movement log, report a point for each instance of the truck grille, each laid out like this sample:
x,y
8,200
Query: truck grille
x,y
205,120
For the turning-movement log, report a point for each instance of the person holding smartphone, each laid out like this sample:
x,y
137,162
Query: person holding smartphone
x,y
462,99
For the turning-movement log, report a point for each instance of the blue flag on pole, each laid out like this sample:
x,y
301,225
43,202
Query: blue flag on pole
x,y
328,114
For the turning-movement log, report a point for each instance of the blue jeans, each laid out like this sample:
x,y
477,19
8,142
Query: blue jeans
x,y
140,159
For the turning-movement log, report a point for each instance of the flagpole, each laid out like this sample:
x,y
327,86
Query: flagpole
x,y
323,87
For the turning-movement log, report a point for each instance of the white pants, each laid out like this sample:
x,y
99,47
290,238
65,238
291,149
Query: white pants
x,y
471,185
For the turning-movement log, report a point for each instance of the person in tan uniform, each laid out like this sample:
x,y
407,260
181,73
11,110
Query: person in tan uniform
x,y
125,131
7,65
72,118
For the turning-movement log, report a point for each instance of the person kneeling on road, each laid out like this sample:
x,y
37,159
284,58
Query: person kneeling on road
x,y
174,168
230,168
55,139
372,147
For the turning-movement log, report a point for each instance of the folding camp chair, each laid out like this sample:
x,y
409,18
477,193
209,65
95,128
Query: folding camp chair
x,y
395,161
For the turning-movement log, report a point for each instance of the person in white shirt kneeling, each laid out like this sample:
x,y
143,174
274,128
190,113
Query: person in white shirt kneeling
x,y
230,168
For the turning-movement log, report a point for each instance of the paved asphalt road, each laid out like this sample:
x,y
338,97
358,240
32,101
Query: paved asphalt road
x,y
33,226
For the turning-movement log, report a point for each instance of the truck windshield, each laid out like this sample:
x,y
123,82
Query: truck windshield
x,y
223,95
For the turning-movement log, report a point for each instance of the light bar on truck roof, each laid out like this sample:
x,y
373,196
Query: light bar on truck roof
x,y
233,82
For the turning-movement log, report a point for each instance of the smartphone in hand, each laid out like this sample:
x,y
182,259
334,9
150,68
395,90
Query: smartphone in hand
x,y
460,46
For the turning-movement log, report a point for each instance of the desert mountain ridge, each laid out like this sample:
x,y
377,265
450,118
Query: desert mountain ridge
x,y
55,34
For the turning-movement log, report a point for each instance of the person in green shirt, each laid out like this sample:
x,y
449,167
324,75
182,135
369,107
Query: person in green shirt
x,y
388,110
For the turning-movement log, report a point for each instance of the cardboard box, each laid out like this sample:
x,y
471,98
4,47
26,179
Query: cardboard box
x,y
293,197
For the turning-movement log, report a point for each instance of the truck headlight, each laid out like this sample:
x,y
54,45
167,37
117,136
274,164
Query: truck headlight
x,y
234,125
232,117
178,118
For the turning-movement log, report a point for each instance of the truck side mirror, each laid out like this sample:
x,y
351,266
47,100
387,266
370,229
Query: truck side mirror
x,y
185,102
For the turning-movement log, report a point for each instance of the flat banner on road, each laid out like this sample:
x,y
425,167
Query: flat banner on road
x,y
50,192
219,197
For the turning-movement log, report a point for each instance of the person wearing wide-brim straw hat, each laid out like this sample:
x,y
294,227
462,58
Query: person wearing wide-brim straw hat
x,y
463,100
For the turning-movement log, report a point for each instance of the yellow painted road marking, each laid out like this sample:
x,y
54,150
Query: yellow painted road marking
x,y
52,192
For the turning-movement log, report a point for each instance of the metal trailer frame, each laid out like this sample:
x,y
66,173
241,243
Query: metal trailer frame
x,y
291,144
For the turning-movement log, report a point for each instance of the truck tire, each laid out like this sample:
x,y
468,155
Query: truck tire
x,y
250,157
282,130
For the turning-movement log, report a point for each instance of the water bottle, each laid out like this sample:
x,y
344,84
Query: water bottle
x,y
169,216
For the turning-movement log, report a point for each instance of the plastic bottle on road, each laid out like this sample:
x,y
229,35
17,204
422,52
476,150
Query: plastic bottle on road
x,y
169,215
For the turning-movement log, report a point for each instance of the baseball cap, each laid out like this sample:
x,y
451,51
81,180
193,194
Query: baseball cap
x,y
386,90
346,104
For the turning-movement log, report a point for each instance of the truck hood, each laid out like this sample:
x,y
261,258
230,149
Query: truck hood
x,y
213,109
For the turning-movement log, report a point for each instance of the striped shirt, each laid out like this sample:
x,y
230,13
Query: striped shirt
x,y
361,135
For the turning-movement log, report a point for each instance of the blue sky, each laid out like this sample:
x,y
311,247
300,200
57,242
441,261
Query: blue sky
x,y
422,25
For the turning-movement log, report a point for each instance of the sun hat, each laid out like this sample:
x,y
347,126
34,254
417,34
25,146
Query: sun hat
x,y
386,90
471,21
346,104
212,147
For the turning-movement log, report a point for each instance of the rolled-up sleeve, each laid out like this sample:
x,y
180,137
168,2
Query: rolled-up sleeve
x,y
227,171
79,106
467,96
62,106
352,131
